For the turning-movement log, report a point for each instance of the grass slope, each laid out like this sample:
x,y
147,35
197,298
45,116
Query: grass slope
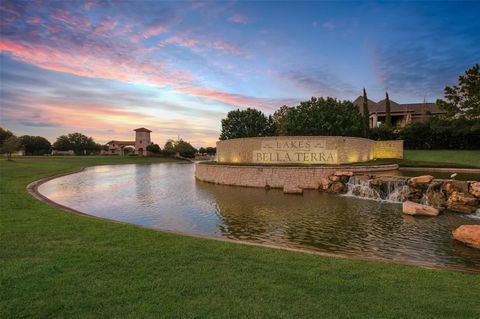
x,y
57,264
458,157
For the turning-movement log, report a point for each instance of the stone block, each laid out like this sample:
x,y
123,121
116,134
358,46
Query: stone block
x,y
411,208
289,189
468,234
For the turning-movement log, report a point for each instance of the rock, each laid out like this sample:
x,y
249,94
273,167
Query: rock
x,y
343,173
475,189
289,189
412,208
324,183
455,186
468,234
420,181
462,203
436,199
334,178
336,187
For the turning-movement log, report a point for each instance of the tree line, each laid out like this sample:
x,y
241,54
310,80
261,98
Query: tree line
x,y
83,145
458,128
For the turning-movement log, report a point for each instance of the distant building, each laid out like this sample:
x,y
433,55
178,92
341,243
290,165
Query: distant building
x,y
142,140
401,114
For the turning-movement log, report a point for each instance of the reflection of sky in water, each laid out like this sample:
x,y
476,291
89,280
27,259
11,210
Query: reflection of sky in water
x,y
166,196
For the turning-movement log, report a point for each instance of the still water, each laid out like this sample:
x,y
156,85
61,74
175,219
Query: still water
x,y
167,197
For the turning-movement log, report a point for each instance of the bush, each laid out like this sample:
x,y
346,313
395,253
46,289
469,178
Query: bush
x,y
382,133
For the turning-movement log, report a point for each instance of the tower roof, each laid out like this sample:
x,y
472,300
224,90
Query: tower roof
x,y
142,129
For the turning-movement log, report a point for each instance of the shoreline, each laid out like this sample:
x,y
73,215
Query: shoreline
x,y
32,189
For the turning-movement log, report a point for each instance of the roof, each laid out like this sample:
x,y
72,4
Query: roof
x,y
359,103
142,129
121,142
415,108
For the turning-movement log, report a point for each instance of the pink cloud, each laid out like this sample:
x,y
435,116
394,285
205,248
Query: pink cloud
x,y
95,62
34,20
154,31
236,100
237,18
227,47
89,5
74,20
105,27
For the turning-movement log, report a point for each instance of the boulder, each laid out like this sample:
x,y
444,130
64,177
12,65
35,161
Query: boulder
x,y
411,208
415,194
336,187
324,183
290,189
455,186
475,189
436,199
468,234
462,203
343,173
334,178
420,181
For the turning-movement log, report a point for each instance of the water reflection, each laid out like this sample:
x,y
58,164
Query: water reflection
x,y
166,196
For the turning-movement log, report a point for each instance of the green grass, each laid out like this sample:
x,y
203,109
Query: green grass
x,y
458,157
54,264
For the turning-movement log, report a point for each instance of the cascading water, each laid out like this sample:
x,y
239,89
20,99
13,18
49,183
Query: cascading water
x,y
390,190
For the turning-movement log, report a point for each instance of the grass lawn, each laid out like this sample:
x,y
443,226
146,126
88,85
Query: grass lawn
x,y
459,157
57,264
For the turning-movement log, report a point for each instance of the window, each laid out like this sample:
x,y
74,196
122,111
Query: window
x,y
140,141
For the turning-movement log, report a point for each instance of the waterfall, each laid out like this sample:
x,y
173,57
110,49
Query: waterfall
x,y
389,189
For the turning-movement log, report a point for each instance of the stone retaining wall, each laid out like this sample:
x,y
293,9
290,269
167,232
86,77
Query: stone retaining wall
x,y
275,176
306,149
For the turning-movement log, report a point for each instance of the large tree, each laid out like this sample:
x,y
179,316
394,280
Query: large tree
x,y
10,145
388,114
324,116
79,143
463,100
35,145
185,149
280,120
366,114
4,135
246,123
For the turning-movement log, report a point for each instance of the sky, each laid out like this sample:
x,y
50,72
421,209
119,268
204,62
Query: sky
x,y
104,68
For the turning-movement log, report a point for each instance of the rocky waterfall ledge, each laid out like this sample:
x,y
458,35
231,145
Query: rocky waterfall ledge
x,y
456,196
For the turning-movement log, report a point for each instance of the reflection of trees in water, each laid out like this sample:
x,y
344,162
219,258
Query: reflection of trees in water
x,y
143,184
327,222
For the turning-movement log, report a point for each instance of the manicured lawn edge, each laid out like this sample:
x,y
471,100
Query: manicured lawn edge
x,y
65,265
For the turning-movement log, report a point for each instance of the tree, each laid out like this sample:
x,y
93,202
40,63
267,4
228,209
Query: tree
x,y
366,114
246,123
463,100
79,143
35,145
11,145
185,149
324,116
154,148
211,150
4,135
388,115
280,120
169,148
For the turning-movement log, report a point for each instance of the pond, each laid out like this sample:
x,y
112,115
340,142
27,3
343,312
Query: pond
x,y
167,197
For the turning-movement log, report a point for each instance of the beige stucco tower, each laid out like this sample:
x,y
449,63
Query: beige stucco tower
x,y
142,140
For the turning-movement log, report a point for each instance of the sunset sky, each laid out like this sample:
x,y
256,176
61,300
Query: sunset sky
x,y
104,68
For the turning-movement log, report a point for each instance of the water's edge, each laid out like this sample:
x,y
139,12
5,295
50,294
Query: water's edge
x,y
32,189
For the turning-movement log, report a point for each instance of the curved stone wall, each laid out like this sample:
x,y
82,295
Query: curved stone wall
x,y
275,176
306,149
